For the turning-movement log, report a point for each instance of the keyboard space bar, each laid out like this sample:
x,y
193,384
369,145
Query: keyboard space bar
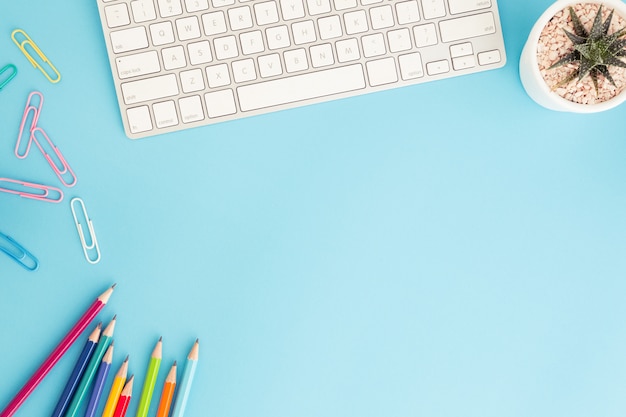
x,y
301,87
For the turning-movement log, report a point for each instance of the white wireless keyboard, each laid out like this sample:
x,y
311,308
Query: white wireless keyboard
x,y
179,64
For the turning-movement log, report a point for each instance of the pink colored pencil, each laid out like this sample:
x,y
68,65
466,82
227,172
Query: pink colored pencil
x,y
57,353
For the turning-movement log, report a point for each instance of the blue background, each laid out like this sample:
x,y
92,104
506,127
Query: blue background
x,y
447,249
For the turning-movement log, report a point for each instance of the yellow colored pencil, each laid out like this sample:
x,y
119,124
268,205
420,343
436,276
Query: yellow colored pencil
x,y
116,390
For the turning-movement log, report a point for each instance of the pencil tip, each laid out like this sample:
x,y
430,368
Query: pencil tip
x,y
126,360
114,318
113,286
161,339
174,363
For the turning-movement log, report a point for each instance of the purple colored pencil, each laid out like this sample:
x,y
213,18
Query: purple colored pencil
x,y
98,386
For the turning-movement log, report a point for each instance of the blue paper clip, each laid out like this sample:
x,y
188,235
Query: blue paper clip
x,y
11,75
18,253
27,41
91,250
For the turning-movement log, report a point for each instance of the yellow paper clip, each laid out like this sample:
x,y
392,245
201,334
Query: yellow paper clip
x,y
27,41
91,249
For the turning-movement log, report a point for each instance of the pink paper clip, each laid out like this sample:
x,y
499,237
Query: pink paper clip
x,y
35,110
63,169
31,190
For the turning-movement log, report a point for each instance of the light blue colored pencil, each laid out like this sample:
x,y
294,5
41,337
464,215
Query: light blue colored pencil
x,y
185,385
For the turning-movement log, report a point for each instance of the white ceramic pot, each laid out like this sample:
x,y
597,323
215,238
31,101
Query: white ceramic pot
x,y
531,78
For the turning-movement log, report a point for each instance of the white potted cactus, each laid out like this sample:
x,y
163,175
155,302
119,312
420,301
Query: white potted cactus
x,y
575,56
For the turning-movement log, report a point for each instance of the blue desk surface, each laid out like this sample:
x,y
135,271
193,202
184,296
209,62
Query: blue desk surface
x,y
448,249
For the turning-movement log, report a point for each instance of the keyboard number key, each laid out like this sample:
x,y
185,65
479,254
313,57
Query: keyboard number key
x,y
139,119
143,10
169,8
165,114
196,5
117,15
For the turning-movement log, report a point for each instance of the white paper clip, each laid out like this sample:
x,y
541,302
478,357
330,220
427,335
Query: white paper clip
x,y
90,249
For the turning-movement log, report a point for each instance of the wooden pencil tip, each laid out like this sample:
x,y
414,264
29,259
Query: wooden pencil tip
x,y
161,339
126,360
113,286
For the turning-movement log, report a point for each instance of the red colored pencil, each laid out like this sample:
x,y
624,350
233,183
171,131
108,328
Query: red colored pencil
x,y
57,353
124,401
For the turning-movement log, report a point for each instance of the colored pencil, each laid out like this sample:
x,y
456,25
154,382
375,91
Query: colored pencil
x,y
116,390
92,368
57,353
150,381
77,373
167,395
185,385
98,385
124,401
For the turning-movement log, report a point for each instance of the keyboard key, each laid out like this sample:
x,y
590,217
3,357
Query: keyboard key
x,y
196,5
117,15
303,32
192,80
467,27
437,67
411,66
129,40
139,119
252,42
292,9
463,62
143,10
278,37
174,57
356,22
425,35
138,64
322,55
407,12
344,4
188,28
222,3
373,45
295,60
269,65
318,6
489,57
165,114
214,23
220,103
399,40
226,47
218,75
169,8
301,87
150,89
382,71
162,33
266,13
433,9
463,6
348,50
240,18
244,70
199,52
382,17
191,109
330,27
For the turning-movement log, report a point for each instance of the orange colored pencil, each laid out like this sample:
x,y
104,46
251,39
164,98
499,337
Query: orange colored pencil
x,y
124,401
168,393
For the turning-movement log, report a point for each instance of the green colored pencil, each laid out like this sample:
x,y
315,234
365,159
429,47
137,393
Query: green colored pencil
x,y
81,394
150,381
